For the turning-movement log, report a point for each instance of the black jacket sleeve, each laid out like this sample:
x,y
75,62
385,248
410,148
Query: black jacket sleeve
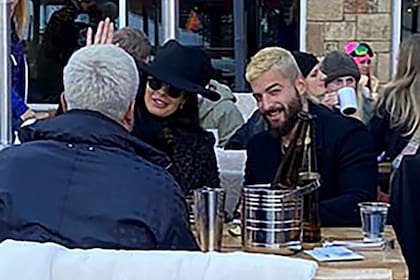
x,y
249,174
377,128
240,140
390,140
357,173
179,235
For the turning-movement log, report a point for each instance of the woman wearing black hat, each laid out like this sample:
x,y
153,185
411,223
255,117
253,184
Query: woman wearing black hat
x,y
167,114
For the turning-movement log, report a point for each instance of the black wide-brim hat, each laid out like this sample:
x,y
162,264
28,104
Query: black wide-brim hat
x,y
185,68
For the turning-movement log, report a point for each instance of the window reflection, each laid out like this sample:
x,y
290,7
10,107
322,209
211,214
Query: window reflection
x,y
209,24
57,29
410,18
145,15
279,24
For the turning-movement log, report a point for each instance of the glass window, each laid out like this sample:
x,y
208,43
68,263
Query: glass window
x,y
273,23
409,18
209,24
58,28
145,15
279,24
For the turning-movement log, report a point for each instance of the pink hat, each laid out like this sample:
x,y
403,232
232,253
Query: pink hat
x,y
361,52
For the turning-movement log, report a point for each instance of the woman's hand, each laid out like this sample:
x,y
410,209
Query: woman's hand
x,y
104,33
330,99
29,114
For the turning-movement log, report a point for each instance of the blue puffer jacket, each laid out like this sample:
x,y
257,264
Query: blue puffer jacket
x,y
19,82
89,184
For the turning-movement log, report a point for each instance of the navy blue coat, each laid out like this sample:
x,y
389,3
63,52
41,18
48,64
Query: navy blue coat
x,y
346,162
81,180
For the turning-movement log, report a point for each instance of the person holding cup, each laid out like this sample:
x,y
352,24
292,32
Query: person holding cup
x,y
343,76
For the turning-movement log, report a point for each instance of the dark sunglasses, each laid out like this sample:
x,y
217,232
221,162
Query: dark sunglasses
x,y
156,84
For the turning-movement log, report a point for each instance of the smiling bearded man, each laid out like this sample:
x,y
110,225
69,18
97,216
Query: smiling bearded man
x,y
345,153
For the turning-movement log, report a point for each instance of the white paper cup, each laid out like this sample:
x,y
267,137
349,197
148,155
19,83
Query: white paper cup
x,y
348,101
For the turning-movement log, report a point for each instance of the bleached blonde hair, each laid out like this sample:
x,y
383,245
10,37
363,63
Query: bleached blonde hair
x,y
102,78
270,57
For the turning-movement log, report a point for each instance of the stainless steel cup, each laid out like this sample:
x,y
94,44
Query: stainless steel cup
x,y
209,205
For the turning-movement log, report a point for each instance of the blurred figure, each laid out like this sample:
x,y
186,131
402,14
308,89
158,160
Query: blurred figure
x,y
20,112
88,182
167,113
133,41
342,71
222,115
315,88
63,35
364,56
397,113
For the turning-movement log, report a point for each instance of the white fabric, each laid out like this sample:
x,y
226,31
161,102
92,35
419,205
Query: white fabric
x,y
36,261
231,165
246,104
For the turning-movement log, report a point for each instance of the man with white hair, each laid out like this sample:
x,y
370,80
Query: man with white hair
x,y
81,180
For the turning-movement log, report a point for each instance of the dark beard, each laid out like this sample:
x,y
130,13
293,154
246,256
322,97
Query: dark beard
x,y
294,108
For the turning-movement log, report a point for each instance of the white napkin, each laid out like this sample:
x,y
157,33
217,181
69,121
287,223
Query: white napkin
x,y
36,261
231,159
334,253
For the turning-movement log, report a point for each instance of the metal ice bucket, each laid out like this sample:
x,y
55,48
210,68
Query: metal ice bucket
x,y
272,218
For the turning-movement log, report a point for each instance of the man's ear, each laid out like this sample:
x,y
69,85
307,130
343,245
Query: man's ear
x,y
300,85
63,102
128,120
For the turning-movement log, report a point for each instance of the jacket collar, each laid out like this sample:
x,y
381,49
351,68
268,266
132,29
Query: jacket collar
x,y
318,110
89,127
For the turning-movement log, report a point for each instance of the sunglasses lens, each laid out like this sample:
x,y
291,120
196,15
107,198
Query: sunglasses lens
x,y
155,84
174,93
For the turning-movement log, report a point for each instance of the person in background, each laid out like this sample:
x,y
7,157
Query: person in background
x,y
345,153
315,78
342,71
364,57
397,114
88,182
315,88
20,112
134,42
64,34
222,115
167,113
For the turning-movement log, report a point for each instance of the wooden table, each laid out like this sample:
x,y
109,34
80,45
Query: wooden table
x,y
381,264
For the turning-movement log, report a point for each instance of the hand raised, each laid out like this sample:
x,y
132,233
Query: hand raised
x,y
104,33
